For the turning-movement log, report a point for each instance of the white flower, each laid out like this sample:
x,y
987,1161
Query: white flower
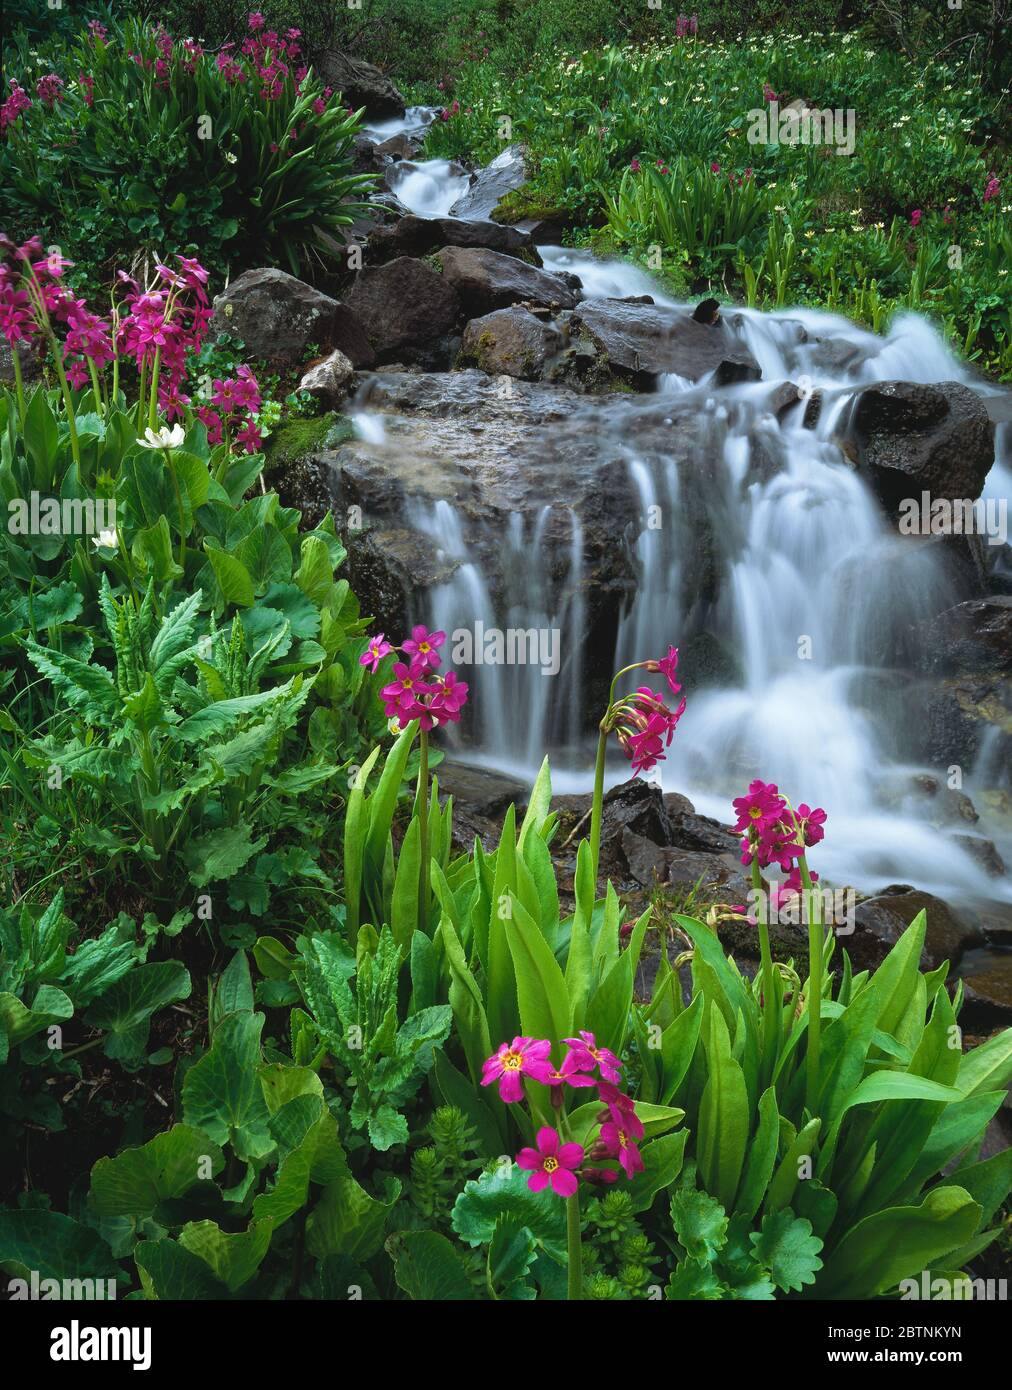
x,y
106,539
162,439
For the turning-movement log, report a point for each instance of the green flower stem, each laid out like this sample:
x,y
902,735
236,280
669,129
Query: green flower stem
x,y
771,1021
602,749
598,802
574,1248
153,406
816,946
423,818
19,386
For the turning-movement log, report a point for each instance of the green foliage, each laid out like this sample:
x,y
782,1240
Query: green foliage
x,y
357,1026
158,158
896,1102
50,995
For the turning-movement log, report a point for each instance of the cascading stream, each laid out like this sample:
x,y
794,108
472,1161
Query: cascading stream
x,y
814,610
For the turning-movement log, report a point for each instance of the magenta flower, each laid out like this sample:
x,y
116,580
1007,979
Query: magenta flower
x,y
648,728
992,189
667,667
551,1163
768,93
619,1143
621,1109
49,90
915,217
250,437
588,1055
422,644
810,823
761,809
448,699
634,165
374,653
401,696
521,1057
714,168
570,1073
256,20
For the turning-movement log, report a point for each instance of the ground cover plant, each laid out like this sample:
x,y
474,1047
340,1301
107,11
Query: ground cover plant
x,y
280,1019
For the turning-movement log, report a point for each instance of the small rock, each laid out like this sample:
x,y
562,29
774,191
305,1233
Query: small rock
x,y
984,852
914,438
510,342
505,174
403,303
652,339
487,280
330,380
359,83
278,316
416,236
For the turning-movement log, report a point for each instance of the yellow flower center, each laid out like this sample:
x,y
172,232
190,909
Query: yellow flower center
x,y
551,1164
513,1061
622,1138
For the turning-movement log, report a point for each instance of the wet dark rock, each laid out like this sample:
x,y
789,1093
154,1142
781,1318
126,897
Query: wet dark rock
x,y
278,317
480,800
402,304
913,438
506,173
948,805
30,369
987,982
837,355
974,638
359,83
881,920
487,280
951,718
650,339
510,342
714,877
416,236
984,852
687,830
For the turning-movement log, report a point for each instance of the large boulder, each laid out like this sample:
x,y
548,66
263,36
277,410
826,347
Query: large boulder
x,y
359,83
881,921
913,439
402,304
277,317
487,280
651,339
416,236
489,186
510,342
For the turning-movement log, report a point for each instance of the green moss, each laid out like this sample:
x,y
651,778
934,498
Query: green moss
x,y
296,438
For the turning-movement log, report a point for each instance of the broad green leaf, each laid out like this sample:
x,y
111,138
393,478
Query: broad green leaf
x,y
135,1181
428,1268
222,1094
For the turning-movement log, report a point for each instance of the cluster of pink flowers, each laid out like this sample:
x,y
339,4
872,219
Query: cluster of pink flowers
x,y
416,691
275,58
87,86
234,405
642,721
916,217
686,25
49,90
97,31
992,188
554,1163
450,110
773,832
18,102
169,322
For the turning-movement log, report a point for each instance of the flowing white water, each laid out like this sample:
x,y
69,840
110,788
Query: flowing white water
x,y
429,188
815,596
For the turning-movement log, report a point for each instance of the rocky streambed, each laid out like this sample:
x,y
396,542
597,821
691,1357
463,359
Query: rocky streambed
x,y
526,438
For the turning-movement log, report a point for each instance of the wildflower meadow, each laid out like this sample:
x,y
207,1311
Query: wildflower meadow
x,y
505,669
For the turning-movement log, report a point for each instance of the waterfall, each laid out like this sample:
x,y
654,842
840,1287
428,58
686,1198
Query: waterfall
x,y
807,593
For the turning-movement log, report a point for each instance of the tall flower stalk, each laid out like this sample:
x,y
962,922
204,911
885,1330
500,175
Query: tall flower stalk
x,y
644,726
419,691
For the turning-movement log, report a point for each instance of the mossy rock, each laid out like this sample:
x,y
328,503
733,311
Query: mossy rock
x,y
299,437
